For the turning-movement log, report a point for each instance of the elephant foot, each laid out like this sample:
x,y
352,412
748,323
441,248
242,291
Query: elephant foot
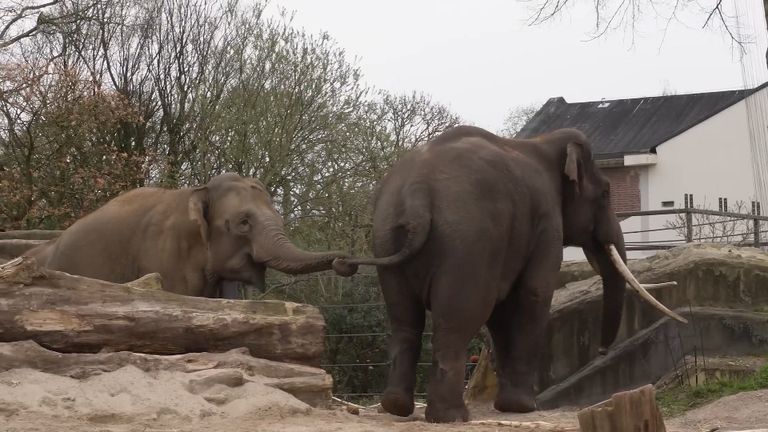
x,y
397,403
438,414
515,401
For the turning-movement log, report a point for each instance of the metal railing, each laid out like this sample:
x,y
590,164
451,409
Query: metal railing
x,y
755,232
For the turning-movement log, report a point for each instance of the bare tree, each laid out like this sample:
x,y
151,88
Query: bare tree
x,y
611,15
22,19
517,118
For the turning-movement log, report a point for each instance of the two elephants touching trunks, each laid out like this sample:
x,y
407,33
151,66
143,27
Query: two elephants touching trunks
x,y
196,238
470,226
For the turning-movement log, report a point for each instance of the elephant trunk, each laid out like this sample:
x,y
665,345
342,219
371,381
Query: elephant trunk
x,y
284,256
614,288
608,256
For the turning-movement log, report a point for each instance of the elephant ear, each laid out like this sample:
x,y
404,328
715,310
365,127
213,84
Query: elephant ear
x,y
573,162
198,210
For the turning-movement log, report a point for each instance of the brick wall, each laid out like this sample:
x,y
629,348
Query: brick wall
x,y
625,188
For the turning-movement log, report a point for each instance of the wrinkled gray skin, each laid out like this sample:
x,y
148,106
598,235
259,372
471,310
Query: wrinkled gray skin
x,y
471,226
196,238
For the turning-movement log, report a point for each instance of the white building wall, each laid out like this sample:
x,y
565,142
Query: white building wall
x,y
710,160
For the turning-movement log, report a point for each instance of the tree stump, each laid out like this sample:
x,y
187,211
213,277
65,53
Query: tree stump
x,y
74,314
630,411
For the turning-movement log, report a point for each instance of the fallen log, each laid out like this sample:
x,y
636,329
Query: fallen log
x,y
310,385
14,247
71,314
30,234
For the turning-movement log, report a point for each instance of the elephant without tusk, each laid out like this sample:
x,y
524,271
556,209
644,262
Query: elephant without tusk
x,y
196,238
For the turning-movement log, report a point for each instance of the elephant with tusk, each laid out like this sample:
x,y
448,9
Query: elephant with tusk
x,y
196,238
471,226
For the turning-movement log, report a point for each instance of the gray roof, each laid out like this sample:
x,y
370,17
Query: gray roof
x,y
627,126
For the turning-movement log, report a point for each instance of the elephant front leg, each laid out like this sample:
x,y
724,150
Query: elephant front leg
x,y
518,328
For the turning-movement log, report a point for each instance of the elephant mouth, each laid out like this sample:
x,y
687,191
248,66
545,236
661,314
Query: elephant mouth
x,y
641,288
252,274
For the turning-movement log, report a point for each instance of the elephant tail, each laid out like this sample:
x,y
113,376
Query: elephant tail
x,y
416,222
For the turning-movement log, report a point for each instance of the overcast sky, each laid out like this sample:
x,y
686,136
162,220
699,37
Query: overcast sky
x,y
481,59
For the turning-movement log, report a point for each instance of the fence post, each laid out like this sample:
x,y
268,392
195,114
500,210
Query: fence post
x,y
688,226
756,228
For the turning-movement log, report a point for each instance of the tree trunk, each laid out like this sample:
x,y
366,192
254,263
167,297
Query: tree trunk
x,y
310,385
633,410
75,314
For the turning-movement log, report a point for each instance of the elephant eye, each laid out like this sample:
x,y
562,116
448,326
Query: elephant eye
x,y
244,225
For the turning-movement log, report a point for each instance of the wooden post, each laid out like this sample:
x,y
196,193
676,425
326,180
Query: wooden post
x,y
756,228
629,411
688,226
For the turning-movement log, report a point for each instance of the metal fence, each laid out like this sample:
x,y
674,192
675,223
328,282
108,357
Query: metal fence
x,y
742,229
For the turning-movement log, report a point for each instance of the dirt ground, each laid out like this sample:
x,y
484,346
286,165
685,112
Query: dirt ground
x,y
747,411
130,400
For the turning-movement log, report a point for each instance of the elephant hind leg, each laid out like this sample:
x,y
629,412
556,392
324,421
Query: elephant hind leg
x,y
458,311
518,328
406,314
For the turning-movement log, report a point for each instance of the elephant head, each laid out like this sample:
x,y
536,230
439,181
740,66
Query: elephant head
x,y
244,234
590,223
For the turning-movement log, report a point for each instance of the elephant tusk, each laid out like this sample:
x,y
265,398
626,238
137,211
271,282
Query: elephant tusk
x,y
660,285
624,270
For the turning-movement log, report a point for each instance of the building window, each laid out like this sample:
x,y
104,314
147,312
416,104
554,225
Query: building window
x,y
688,200
667,203
723,204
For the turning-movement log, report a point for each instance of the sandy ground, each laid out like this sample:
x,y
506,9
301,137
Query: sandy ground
x,y
130,400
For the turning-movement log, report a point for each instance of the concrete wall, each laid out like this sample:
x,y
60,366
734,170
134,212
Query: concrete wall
x,y
707,276
656,351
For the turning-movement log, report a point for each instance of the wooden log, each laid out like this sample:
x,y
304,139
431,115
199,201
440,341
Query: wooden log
x,y
13,248
310,385
629,411
30,234
68,313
